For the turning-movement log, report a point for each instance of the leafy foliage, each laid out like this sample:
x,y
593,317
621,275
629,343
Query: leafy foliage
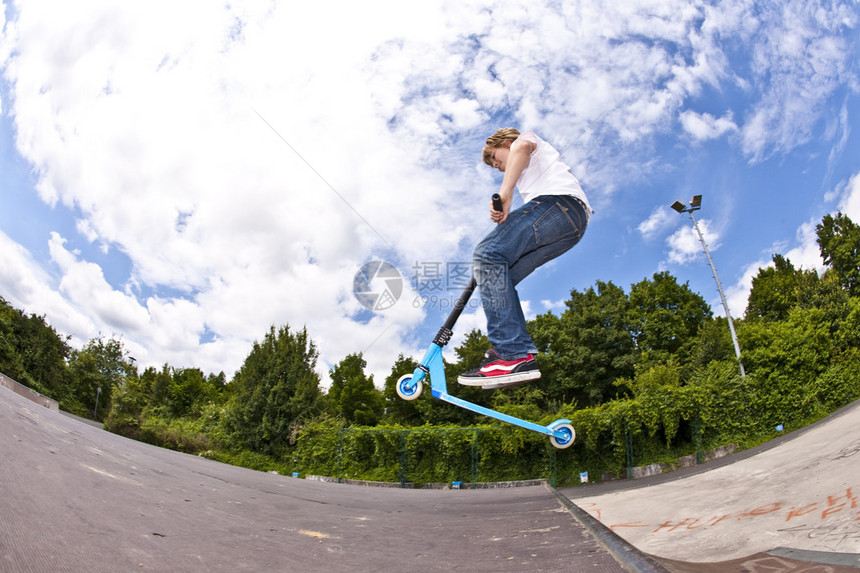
x,y
276,388
839,242
775,290
665,317
644,377
352,393
98,369
32,352
588,347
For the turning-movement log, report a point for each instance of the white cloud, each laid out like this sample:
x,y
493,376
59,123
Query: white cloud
x,y
704,126
805,254
28,287
368,145
157,143
685,246
737,295
6,42
850,201
797,59
554,306
83,284
660,219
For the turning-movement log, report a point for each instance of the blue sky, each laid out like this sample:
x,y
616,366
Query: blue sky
x,y
186,182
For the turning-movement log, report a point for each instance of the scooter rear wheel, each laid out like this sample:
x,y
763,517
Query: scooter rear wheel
x,y
567,440
406,390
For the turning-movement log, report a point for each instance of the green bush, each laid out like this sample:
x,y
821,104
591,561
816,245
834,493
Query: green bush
x,y
180,434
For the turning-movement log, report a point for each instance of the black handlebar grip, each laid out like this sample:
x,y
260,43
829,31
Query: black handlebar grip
x,y
497,202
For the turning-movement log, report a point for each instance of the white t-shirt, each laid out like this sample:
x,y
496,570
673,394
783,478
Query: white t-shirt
x,y
547,174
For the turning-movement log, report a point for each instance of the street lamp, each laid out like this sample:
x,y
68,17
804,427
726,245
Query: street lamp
x,y
96,409
695,205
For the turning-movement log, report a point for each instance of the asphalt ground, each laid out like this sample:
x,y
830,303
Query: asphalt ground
x,y
76,498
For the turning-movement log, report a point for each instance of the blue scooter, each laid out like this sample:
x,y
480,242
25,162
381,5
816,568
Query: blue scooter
x,y
409,386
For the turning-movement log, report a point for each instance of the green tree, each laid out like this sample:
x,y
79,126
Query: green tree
x,y
662,409
471,352
187,392
32,352
356,398
427,410
665,317
839,243
583,351
785,358
133,397
159,384
101,364
218,383
276,388
836,309
714,343
774,290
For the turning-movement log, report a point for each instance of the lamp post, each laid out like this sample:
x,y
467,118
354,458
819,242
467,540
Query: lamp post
x,y
695,205
96,409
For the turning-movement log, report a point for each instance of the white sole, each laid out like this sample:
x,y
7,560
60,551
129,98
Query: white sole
x,y
501,381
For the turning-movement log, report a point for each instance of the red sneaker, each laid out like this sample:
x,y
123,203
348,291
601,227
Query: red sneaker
x,y
496,372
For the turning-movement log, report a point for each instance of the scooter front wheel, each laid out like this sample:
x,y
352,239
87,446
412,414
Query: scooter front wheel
x,y
406,389
566,440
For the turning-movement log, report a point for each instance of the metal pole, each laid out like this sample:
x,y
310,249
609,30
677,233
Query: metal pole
x,y
722,295
96,409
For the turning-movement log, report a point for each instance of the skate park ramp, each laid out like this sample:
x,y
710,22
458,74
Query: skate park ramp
x,y
76,498
796,497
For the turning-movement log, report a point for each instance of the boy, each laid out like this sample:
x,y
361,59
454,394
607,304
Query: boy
x,y
552,219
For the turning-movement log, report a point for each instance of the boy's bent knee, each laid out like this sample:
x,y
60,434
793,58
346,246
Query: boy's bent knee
x,y
487,253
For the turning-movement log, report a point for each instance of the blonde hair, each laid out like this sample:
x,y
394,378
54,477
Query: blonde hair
x,y
502,138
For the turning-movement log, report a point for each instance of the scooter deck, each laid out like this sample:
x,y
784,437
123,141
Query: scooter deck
x,y
472,407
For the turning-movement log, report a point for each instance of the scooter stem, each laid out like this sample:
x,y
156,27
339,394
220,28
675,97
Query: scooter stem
x,y
445,333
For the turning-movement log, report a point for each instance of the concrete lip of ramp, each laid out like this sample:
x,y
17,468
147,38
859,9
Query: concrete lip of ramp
x,y
76,498
797,498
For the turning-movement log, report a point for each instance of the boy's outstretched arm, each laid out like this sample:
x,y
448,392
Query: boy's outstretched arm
x,y
518,160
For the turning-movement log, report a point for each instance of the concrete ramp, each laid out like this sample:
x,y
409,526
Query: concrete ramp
x,y
794,499
779,560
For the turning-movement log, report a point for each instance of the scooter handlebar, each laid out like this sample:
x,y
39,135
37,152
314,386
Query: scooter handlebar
x,y
497,202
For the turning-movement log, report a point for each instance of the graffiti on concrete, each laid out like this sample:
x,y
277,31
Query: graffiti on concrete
x,y
832,521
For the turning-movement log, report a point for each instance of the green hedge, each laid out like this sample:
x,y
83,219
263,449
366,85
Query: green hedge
x,y
664,420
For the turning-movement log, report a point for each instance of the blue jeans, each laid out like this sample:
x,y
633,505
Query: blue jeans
x,y
539,231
